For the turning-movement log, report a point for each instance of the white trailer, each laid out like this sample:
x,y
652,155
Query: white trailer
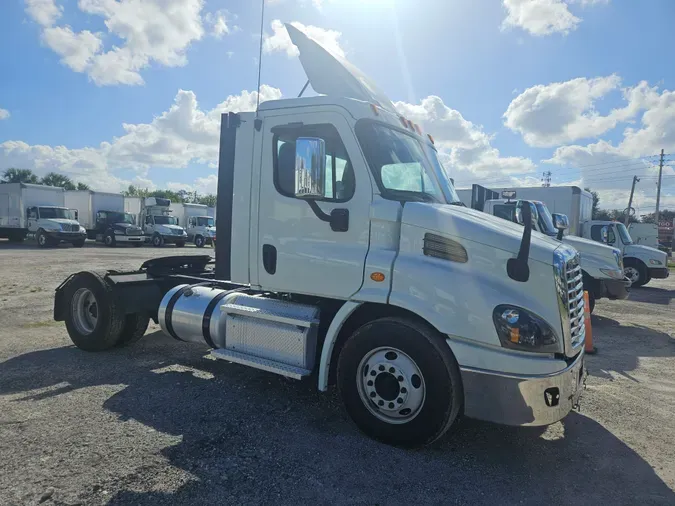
x,y
417,308
197,222
102,215
40,212
133,205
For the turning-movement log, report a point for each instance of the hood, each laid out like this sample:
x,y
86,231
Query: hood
x,y
62,221
465,223
172,227
587,246
124,226
334,76
646,252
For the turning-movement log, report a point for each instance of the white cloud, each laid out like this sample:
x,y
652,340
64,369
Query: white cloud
x,y
158,31
280,41
218,23
181,135
202,185
559,113
464,148
44,12
4,114
540,17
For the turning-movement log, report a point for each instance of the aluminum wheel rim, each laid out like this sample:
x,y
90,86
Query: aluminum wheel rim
x,y
391,385
42,239
155,241
108,240
632,274
85,311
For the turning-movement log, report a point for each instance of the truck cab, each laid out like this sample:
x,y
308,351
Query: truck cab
x,y
51,225
602,266
201,230
641,263
112,227
159,226
345,255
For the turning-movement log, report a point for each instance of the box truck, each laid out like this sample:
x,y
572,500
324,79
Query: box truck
x,y
159,225
103,217
197,222
419,309
641,263
39,212
646,234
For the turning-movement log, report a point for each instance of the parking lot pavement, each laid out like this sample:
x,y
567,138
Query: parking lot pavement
x,y
158,423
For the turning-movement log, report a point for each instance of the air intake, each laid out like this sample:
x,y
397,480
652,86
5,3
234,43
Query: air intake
x,y
444,248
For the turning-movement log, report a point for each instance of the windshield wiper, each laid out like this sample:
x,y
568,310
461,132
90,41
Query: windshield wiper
x,y
457,203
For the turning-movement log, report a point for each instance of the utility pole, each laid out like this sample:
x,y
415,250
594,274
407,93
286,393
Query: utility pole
x,y
658,191
630,200
546,179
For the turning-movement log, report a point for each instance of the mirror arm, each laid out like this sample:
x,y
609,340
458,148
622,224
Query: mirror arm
x,y
517,268
318,212
560,234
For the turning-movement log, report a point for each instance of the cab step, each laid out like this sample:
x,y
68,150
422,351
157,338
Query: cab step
x,y
261,363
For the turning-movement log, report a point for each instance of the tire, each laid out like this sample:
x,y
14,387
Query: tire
x,y
109,239
93,320
591,302
637,272
79,244
42,239
435,398
180,244
199,241
157,241
134,328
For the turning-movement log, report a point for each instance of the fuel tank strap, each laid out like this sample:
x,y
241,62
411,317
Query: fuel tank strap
x,y
169,311
206,320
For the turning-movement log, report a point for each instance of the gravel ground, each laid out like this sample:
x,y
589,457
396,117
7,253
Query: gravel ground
x,y
160,424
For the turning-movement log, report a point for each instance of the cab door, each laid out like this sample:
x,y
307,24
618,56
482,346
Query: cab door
x,y
297,251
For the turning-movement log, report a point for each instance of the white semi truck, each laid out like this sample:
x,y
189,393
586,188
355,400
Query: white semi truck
x,y
601,265
39,212
641,263
419,309
198,223
159,225
102,215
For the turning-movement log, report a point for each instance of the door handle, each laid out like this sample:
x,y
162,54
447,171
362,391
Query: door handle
x,y
269,257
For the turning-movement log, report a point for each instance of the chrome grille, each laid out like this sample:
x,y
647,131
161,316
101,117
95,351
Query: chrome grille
x,y
133,231
575,300
67,227
176,231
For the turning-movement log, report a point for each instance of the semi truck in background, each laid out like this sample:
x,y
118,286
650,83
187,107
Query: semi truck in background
x,y
39,212
159,225
641,263
103,217
419,309
195,219
601,265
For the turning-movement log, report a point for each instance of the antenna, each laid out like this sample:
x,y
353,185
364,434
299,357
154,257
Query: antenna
x,y
262,21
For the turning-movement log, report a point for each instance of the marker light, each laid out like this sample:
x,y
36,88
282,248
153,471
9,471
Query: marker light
x,y
431,138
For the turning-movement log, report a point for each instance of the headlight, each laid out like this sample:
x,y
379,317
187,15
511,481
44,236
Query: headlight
x,y
83,230
655,262
120,232
613,273
519,329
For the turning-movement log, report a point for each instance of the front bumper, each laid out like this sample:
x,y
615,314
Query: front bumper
x,y
659,272
67,236
616,288
515,399
172,239
129,238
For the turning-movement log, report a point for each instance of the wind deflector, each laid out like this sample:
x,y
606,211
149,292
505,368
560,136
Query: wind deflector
x,y
334,76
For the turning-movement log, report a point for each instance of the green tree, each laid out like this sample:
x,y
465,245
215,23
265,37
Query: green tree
x,y
208,200
82,186
13,175
664,215
596,202
613,215
56,179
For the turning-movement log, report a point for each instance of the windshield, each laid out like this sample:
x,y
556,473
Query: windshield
x,y
165,220
545,220
204,222
400,164
623,233
121,218
57,212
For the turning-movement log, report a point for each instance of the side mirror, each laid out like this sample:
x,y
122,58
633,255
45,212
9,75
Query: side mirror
x,y
310,167
561,222
604,234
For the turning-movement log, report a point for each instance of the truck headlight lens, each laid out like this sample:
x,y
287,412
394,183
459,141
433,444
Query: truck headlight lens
x,y
612,273
519,329
655,262
120,232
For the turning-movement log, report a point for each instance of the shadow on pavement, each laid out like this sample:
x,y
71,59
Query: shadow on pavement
x,y
652,295
255,438
611,338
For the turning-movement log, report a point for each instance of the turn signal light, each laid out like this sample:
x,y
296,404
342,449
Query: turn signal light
x,y
431,138
377,277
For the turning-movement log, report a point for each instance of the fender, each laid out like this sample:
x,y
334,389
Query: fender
x,y
339,320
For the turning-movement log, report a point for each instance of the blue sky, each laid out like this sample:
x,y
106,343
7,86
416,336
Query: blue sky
x,y
512,88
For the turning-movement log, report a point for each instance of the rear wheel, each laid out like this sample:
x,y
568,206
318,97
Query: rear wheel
x,y
400,382
199,241
93,320
636,271
134,328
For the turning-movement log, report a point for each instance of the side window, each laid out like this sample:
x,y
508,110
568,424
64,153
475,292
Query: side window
x,y
100,216
611,238
31,212
339,184
148,220
596,235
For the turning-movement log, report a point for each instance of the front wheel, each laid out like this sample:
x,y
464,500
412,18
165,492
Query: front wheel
x,y
109,239
199,241
637,272
400,382
157,241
